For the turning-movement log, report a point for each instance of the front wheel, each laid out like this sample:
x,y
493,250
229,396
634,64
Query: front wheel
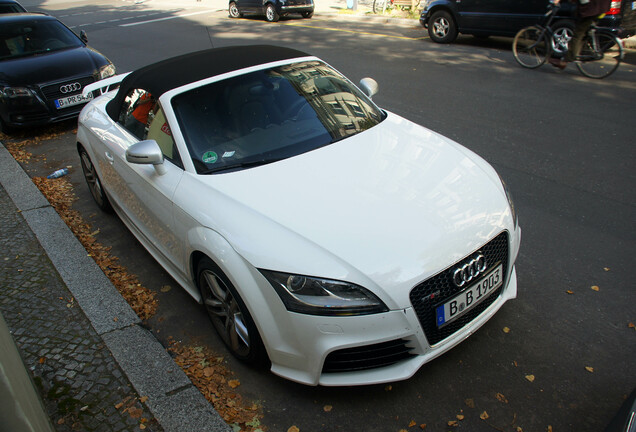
x,y
234,11
600,55
442,28
270,13
228,313
93,182
530,47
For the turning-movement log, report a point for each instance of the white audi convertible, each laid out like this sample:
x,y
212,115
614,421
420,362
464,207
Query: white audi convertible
x,y
334,240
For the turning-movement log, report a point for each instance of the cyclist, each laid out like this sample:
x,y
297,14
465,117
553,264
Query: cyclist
x,y
588,11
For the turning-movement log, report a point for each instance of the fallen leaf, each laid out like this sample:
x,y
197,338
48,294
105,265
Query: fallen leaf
x,y
452,423
606,268
293,429
327,408
501,398
484,415
143,399
234,383
470,403
135,412
631,325
549,428
119,405
530,378
165,288
413,423
388,388
519,429
142,426
595,288
460,417
570,292
506,330
589,369
423,426
42,360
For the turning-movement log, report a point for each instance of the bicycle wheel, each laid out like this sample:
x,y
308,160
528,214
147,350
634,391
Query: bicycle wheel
x,y
531,47
600,55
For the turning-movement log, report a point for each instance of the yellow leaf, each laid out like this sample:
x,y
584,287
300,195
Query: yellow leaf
x,y
519,429
388,388
595,288
589,369
143,399
506,330
606,268
234,383
631,325
501,398
142,426
460,417
412,423
549,428
165,288
327,408
423,426
484,415
470,403
293,429
530,378
452,423
570,292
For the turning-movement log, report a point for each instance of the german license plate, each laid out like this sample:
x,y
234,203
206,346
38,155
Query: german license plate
x,y
470,297
72,100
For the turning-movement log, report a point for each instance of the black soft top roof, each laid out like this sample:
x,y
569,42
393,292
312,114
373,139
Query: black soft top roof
x,y
158,78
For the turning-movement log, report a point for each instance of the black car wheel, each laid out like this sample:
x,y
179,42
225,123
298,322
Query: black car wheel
x,y
270,13
563,31
228,313
442,28
308,14
234,11
93,182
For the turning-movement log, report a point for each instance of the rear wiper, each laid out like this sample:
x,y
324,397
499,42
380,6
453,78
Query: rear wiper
x,y
242,165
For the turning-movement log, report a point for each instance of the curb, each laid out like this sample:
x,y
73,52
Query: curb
x,y
172,398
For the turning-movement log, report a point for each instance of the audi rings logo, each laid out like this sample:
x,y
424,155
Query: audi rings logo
x,y
470,270
70,88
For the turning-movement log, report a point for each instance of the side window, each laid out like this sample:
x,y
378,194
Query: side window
x,y
134,113
159,131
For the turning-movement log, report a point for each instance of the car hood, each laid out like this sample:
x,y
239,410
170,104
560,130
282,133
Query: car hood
x,y
386,208
51,67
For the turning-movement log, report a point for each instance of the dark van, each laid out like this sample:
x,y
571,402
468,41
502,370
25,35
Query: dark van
x,y
445,19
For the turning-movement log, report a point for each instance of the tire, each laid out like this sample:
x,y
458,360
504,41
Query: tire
x,y
228,314
602,63
270,13
4,129
530,48
562,33
379,6
442,28
93,182
307,14
233,10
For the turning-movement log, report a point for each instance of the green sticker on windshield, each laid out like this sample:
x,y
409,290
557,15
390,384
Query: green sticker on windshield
x,y
209,157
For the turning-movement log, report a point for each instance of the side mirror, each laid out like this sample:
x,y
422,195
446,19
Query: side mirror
x,y
84,36
369,86
146,152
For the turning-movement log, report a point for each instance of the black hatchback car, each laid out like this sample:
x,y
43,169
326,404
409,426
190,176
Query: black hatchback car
x,y
271,9
44,67
445,19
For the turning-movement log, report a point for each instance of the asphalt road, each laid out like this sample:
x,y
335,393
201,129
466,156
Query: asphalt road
x,y
564,144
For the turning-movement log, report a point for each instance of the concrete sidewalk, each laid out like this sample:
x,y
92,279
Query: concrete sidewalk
x,y
95,365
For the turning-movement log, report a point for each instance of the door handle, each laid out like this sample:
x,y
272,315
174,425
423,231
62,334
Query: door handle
x,y
110,157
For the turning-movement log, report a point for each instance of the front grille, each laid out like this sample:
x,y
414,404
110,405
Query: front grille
x,y
426,296
52,91
368,356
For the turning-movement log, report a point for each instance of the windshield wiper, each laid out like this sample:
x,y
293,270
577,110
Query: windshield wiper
x,y
241,165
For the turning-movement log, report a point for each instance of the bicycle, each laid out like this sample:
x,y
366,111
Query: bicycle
x,y
600,55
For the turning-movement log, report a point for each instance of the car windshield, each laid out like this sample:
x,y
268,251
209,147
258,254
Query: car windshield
x,y
269,115
26,38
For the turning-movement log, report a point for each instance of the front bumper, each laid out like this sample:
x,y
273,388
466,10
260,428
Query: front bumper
x,y
331,351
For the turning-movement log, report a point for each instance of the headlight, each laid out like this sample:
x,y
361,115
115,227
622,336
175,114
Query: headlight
x,y
316,296
16,92
510,202
107,71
